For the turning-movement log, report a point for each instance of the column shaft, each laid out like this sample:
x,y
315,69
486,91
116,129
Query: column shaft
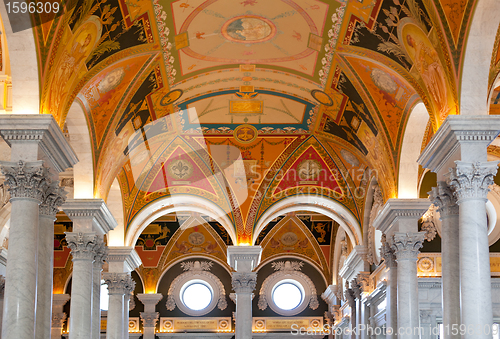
x,y
406,246
119,285
392,303
20,284
82,246
243,285
101,253
470,182
149,316
126,310
44,277
57,325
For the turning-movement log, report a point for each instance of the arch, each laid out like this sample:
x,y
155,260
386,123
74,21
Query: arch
x,y
176,203
477,60
83,171
325,206
116,237
23,67
410,151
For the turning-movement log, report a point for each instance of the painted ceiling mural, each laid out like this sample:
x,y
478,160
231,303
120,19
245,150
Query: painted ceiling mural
x,y
242,103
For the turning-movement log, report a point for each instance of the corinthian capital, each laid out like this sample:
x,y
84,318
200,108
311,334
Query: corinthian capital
x,y
58,320
471,180
100,253
82,245
244,282
53,197
443,198
407,245
149,319
119,283
387,253
26,179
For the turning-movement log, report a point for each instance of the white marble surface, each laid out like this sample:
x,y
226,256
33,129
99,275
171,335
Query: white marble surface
x,y
44,277
96,299
20,286
244,318
114,328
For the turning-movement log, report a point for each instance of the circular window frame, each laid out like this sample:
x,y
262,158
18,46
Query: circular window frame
x,y
189,278
290,282
195,282
295,278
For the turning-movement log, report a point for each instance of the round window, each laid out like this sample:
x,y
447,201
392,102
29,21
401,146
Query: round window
x,y
288,294
196,295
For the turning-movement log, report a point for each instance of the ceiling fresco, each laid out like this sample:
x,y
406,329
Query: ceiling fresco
x,y
246,102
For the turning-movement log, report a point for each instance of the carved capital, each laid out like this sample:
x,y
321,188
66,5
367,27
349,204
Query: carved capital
x,y
82,245
387,253
363,281
100,253
244,282
149,319
407,245
443,198
53,197
471,180
350,297
58,320
119,283
356,288
26,179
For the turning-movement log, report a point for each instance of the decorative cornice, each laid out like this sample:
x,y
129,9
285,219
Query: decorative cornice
x,y
43,129
124,255
149,299
26,180
119,283
429,283
472,180
330,295
353,261
407,245
244,258
457,129
244,282
395,209
82,245
95,209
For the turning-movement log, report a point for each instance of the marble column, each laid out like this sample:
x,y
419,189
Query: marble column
x,y
350,297
391,307
91,220
27,182
149,316
399,221
330,297
121,261
101,253
244,259
363,288
35,141
53,197
470,182
118,286
58,316
443,198
406,248
460,144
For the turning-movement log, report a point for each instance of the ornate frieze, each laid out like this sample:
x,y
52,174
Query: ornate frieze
x,y
53,197
406,246
82,245
471,180
244,282
387,253
26,179
149,319
119,283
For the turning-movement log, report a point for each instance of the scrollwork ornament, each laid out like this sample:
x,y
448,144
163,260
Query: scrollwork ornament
x,y
407,245
244,282
472,180
26,179
378,202
149,319
443,198
100,253
53,197
428,225
82,245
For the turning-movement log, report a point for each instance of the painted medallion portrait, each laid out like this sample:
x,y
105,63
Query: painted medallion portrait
x,y
248,29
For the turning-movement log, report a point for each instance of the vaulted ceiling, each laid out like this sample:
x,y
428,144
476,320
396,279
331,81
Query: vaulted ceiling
x,y
175,92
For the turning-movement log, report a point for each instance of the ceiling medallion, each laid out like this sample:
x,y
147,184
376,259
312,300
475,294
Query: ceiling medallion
x,y
180,169
248,29
171,97
245,134
322,97
309,169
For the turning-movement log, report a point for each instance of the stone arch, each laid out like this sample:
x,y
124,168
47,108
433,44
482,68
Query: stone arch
x,y
477,60
23,67
177,203
410,151
322,205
